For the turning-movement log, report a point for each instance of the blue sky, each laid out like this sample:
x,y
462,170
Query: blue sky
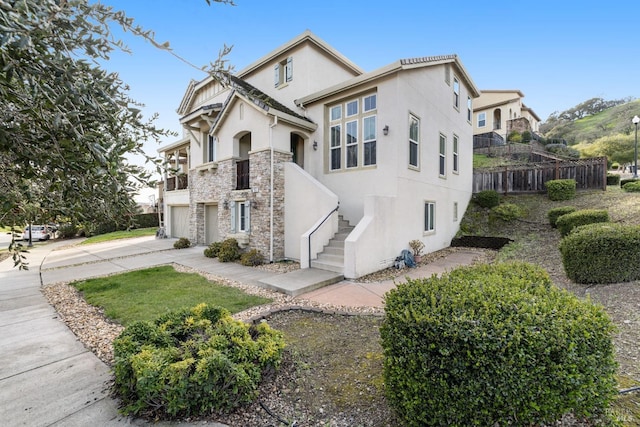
x,y
557,53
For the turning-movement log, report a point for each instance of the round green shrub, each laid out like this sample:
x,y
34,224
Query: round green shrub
x,y
514,136
229,250
569,221
487,198
252,258
632,187
602,253
192,362
625,181
506,212
556,213
181,243
212,250
561,189
494,345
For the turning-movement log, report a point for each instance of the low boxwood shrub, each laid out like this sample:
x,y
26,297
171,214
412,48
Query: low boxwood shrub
x,y
506,212
252,258
556,213
212,250
613,179
623,182
602,253
632,187
561,189
192,362
569,221
229,250
182,243
494,345
487,198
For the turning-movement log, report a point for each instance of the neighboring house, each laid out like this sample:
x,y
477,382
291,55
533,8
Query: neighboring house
x,y
302,155
497,113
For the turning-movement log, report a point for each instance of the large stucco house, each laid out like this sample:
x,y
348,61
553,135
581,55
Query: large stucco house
x,y
304,156
496,113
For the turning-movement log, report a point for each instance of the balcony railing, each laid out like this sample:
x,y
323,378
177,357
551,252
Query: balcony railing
x,y
179,182
242,175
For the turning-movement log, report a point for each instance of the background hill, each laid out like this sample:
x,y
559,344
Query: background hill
x,y
596,128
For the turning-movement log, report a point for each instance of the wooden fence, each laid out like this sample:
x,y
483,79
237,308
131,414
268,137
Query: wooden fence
x,y
531,178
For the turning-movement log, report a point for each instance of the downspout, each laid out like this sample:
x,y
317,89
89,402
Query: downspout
x,y
271,126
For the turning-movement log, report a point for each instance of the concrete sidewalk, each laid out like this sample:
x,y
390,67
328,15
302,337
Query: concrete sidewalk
x,y
48,378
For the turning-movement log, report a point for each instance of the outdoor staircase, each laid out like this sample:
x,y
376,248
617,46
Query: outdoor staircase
x,y
332,256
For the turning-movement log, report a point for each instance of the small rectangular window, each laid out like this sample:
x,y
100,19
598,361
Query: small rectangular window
x,y
456,93
335,146
469,108
443,148
482,120
429,216
414,143
455,211
336,113
352,108
211,149
455,154
370,103
369,136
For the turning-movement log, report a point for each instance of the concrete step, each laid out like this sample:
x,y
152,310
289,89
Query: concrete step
x,y
331,258
301,281
334,250
336,267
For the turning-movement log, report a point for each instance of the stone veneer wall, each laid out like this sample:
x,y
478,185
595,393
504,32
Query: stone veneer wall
x,y
218,185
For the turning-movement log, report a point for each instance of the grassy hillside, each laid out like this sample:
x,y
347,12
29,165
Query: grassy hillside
x,y
613,121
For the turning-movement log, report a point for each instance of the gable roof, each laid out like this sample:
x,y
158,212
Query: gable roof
x,y
400,65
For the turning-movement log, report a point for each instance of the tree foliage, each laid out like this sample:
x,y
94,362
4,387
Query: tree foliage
x,y
67,125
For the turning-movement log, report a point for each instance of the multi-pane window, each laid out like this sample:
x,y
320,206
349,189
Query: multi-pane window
x,y
456,92
442,154
240,217
455,154
482,120
469,108
211,149
414,140
357,117
429,216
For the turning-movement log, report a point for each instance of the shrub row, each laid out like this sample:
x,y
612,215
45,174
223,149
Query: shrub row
x,y
569,221
602,253
494,345
228,250
632,187
556,213
613,179
191,362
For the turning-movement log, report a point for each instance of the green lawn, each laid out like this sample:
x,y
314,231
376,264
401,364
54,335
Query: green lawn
x,y
139,232
146,294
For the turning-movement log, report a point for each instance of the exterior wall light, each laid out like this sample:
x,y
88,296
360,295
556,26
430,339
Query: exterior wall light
x,y
315,145
385,129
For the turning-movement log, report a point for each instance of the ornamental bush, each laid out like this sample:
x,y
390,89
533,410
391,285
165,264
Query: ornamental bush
x,y
252,258
569,221
602,253
613,179
191,362
212,250
623,182
182,243
229,250
632,187
506,212
494,345
556,213
487,198
561,189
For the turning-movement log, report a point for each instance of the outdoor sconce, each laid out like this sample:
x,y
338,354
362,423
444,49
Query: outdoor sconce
x,y
225,204
385,129
315,145
254,204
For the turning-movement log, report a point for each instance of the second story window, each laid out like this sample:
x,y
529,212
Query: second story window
x,y
456,166
456,93
283,72
442,170
469,106
211,149
482,120
414,140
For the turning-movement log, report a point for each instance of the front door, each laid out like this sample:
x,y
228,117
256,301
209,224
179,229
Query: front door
x,y
211,224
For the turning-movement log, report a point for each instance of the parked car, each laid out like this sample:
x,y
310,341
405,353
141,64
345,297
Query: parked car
x,y
38,232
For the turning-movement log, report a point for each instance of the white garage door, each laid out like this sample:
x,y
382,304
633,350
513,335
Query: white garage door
x,y
211,223
179,221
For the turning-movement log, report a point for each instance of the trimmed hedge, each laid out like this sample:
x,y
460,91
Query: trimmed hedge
x,y
625,181
487,198
632,187
506,212
569,221
602,253
192,362
556,213
561,189
613,179
494,345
